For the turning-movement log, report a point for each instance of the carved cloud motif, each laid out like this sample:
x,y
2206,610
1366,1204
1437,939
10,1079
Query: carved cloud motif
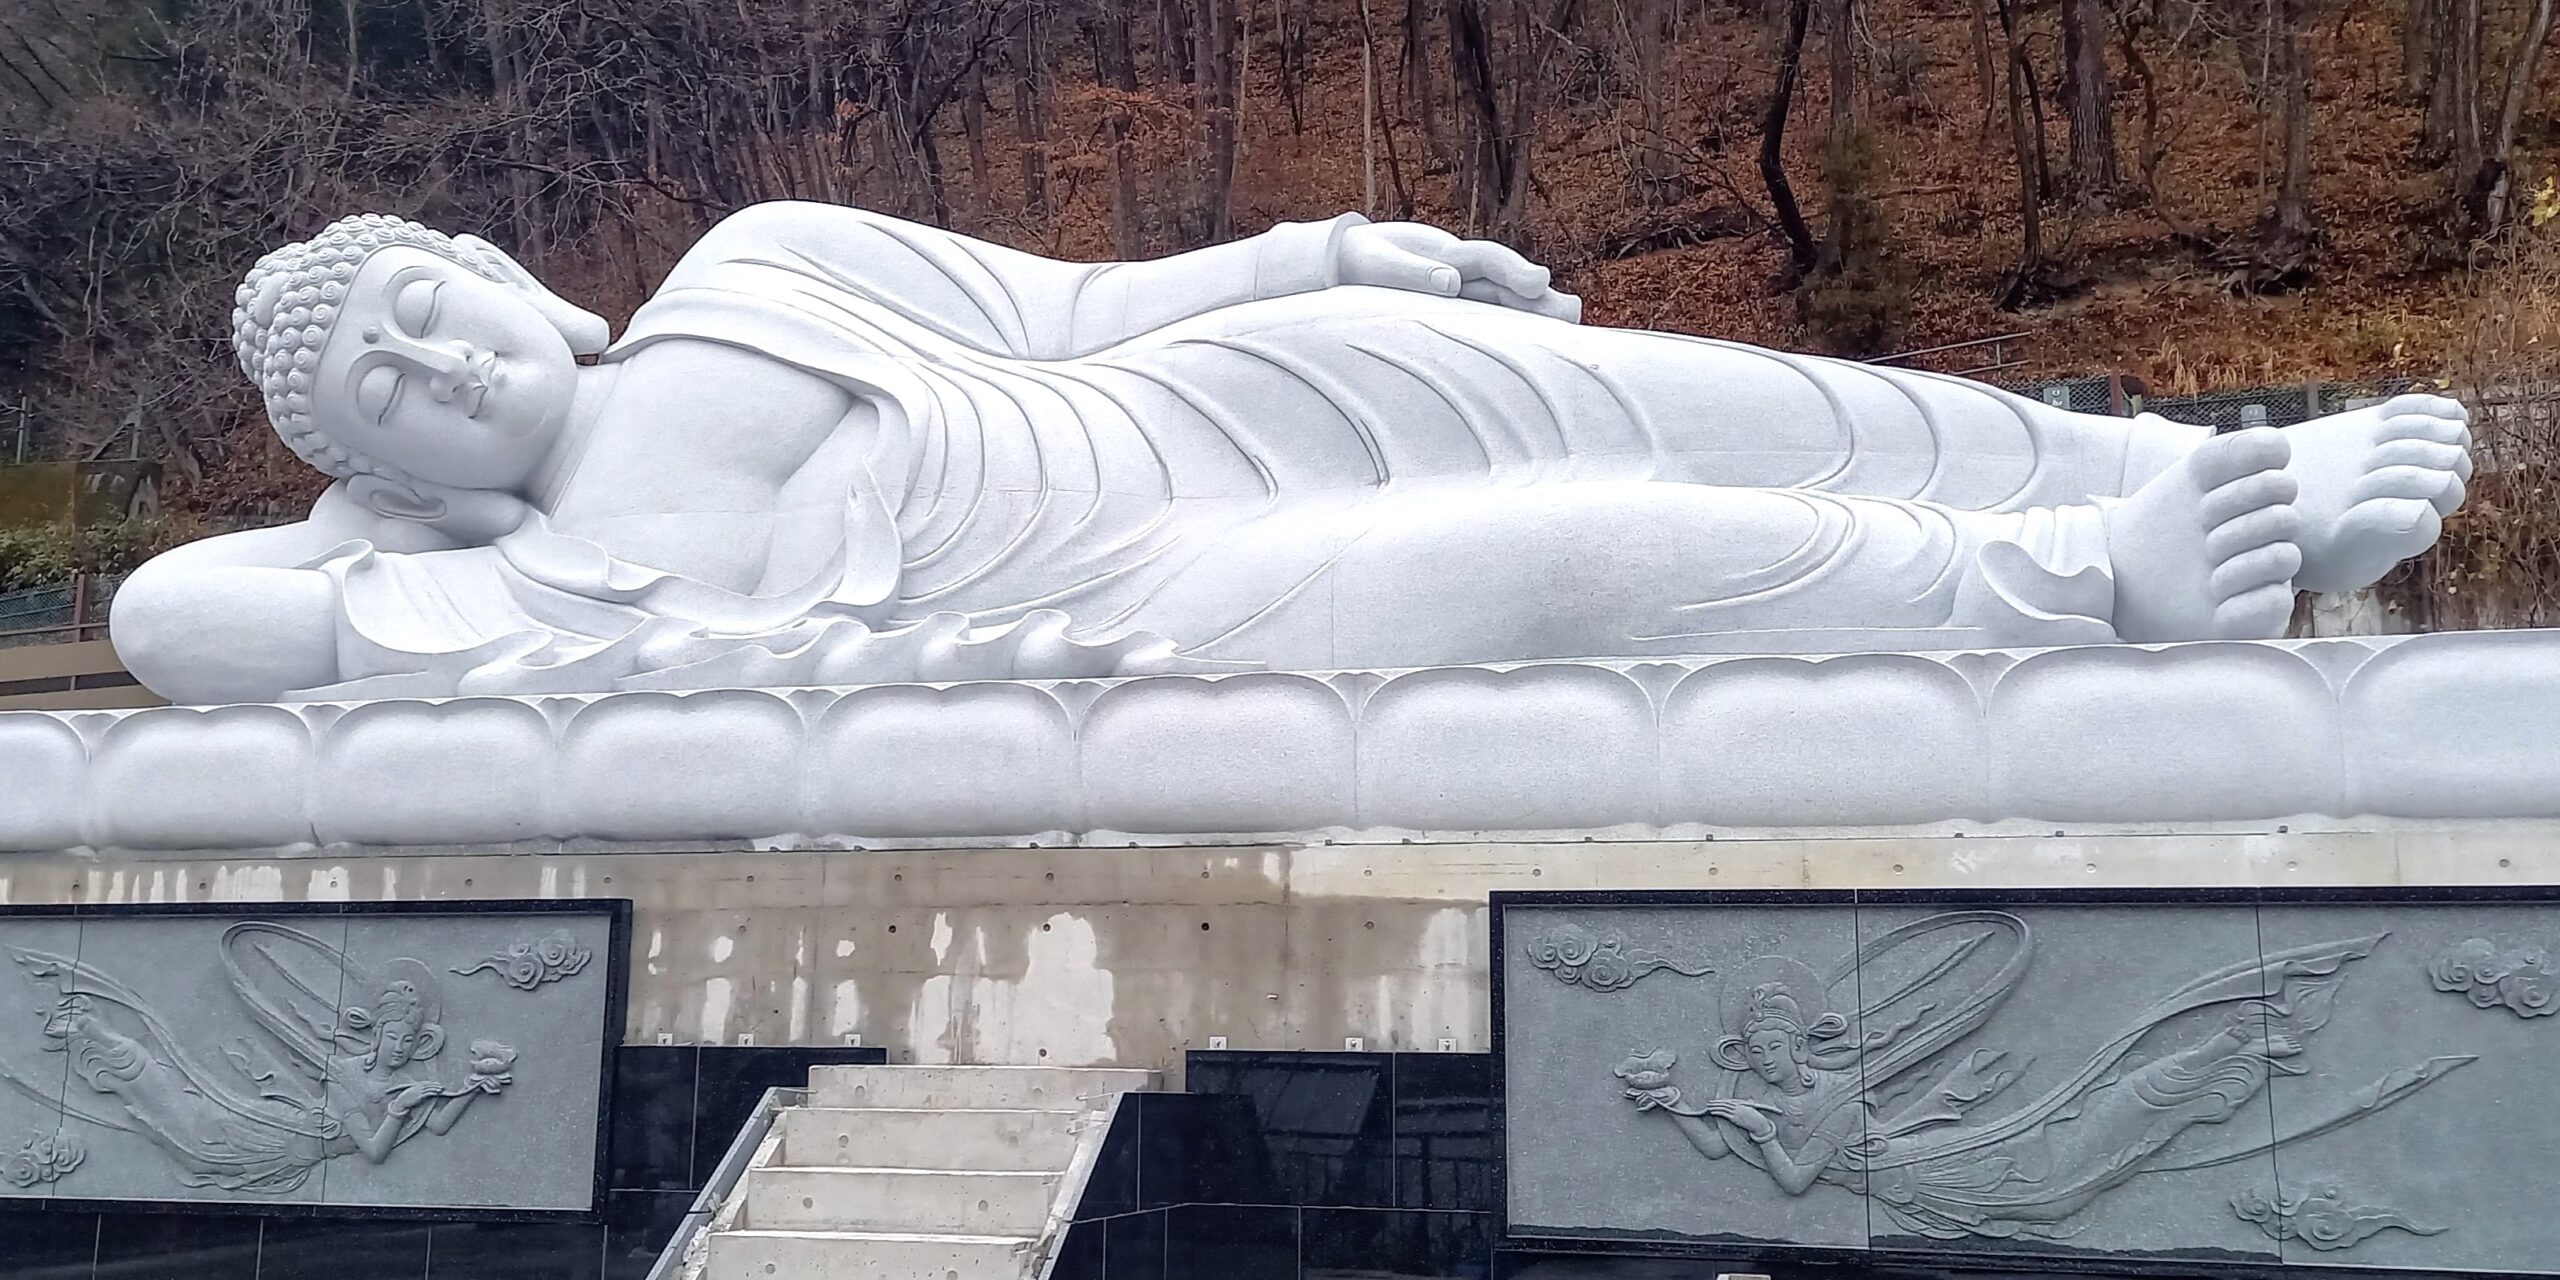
x,y
2488,976
1604,963
527,965
2322,1219
43,1157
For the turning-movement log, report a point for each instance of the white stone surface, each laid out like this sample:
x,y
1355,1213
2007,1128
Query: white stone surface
x,y
837,449
2448,726
913,1173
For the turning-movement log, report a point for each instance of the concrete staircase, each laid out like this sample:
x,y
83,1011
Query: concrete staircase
x,y
918,1173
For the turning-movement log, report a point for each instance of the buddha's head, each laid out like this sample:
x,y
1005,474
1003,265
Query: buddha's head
x,y
403,359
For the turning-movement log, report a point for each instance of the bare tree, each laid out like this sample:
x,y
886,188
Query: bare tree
x,y
1802,252
2093,130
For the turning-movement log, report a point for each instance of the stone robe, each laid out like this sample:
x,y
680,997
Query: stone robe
x,y
1083,469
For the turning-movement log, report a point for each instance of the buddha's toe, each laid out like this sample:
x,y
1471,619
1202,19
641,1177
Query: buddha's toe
x,y
2253,591
2420,455
2210,552
2380,532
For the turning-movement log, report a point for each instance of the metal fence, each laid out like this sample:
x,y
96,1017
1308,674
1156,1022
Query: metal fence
x,y
75,610
2221,410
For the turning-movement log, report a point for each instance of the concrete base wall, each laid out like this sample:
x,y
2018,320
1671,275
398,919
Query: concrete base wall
x,y
1127,956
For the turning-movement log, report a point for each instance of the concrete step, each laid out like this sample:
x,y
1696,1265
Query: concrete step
x,y
941,1088
864,1255
894,1138
881,1199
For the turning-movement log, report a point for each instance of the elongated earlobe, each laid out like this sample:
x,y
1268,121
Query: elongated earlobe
x,y
393,500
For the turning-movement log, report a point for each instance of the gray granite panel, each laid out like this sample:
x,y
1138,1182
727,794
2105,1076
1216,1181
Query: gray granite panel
x,y
1608,1009
2427,1099
2042,1079
176,1090
513,1081
363,1059
35,1159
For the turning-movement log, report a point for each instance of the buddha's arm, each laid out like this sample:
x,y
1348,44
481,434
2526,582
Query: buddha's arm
x,y
239,617
1004,301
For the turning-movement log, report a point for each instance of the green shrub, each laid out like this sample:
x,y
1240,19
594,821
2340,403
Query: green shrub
x,y
42,555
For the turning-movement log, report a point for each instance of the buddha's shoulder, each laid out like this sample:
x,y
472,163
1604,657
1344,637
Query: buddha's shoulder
x,y
684,367
689,380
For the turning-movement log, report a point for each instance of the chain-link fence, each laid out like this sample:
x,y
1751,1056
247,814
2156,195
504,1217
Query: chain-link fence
x,y
2220,410
63,611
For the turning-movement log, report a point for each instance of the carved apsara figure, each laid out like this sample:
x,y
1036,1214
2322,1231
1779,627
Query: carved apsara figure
x,y
840,448
1812,1095
327,1080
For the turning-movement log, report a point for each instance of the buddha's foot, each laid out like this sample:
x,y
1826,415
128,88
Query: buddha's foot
x,y
2376,486
2208,549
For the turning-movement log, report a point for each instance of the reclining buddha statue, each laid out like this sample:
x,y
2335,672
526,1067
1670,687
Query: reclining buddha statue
x,y
838,448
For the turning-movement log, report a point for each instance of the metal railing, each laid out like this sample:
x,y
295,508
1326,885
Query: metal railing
x,y
65,611
671,1262
1974,356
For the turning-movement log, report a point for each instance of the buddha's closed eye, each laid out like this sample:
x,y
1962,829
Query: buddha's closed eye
x,y
413,308
378,392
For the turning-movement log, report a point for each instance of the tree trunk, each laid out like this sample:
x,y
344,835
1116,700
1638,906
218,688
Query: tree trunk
x,y
1480,139
1801,250
2028,152
1218,89
1296,28
1031,109
2152,148
2494,182
2093,129
2420,30
1174,54
2453,100
973,126
2289,232
1656,170
1843,61
1415,80
1980,31
1117,68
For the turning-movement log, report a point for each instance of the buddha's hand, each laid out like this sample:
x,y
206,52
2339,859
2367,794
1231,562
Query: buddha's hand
x,y
1423,259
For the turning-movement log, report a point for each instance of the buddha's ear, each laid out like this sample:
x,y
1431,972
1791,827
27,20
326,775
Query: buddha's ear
x,y
394,501
587,333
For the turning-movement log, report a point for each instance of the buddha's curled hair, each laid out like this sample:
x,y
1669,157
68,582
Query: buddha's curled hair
x,y
286,306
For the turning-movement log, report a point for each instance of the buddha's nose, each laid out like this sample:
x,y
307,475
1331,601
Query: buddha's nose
x,y
460,373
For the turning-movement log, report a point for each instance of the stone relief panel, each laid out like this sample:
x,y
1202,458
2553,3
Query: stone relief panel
x,y
2158,1081
2066,1080
312,1058
1622,1115
2470,1151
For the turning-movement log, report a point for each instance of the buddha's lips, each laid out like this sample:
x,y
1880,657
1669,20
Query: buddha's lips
x,y
484,375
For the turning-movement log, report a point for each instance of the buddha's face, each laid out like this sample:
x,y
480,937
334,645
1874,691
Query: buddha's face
x,y
442,373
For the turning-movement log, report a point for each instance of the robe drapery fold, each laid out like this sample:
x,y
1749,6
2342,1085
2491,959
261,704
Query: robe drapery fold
x,y
1057,443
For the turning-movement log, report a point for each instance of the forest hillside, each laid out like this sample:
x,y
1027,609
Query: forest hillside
x,y
2197,193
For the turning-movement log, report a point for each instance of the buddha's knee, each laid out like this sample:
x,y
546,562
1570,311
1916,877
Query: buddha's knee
x,y
226,634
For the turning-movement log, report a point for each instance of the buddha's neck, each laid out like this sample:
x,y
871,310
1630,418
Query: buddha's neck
x,y
586,407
